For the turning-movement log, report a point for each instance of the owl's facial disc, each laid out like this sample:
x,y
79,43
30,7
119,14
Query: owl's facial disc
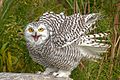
x,y
36,33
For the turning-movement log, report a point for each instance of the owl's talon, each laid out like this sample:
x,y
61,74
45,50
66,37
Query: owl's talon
x,y
55,74
39,72
61,73
49,71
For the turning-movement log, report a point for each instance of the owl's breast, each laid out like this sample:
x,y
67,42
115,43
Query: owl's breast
x,y
66,58
37,53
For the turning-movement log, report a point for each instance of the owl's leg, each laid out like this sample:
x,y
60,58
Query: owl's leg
x,y
62,73
49,71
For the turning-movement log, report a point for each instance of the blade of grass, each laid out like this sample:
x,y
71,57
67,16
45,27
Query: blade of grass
x,y
9,62
6,7
70,4
88,6
75,6
1,3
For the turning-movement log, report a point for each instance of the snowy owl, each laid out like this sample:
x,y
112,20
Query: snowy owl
x,y
59,42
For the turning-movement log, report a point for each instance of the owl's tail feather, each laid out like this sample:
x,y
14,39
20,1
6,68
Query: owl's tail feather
x,y
92,47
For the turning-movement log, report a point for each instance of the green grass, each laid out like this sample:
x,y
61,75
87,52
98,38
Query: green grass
x,y
15,14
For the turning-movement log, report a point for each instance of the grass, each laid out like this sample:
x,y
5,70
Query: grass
x,y
15,14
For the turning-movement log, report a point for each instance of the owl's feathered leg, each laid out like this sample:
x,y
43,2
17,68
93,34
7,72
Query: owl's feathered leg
x,y
49,71
62,73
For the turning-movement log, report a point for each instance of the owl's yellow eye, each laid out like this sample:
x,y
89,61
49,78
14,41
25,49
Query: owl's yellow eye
x,y
40,29
30,29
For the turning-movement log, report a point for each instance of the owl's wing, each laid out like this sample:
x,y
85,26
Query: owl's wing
x,y
92,46
75,27
68,29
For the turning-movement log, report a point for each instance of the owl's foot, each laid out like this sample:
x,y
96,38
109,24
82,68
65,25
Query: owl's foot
x,y
62,73
39,72
49,71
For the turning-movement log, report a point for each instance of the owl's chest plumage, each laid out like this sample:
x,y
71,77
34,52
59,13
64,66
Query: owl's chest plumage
x,y
63,58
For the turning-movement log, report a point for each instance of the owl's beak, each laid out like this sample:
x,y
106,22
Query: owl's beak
x,y
35,37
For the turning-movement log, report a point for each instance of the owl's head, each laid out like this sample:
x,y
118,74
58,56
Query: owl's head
x,y
37,33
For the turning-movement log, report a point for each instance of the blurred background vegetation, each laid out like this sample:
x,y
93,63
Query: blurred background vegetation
x,y
15,14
